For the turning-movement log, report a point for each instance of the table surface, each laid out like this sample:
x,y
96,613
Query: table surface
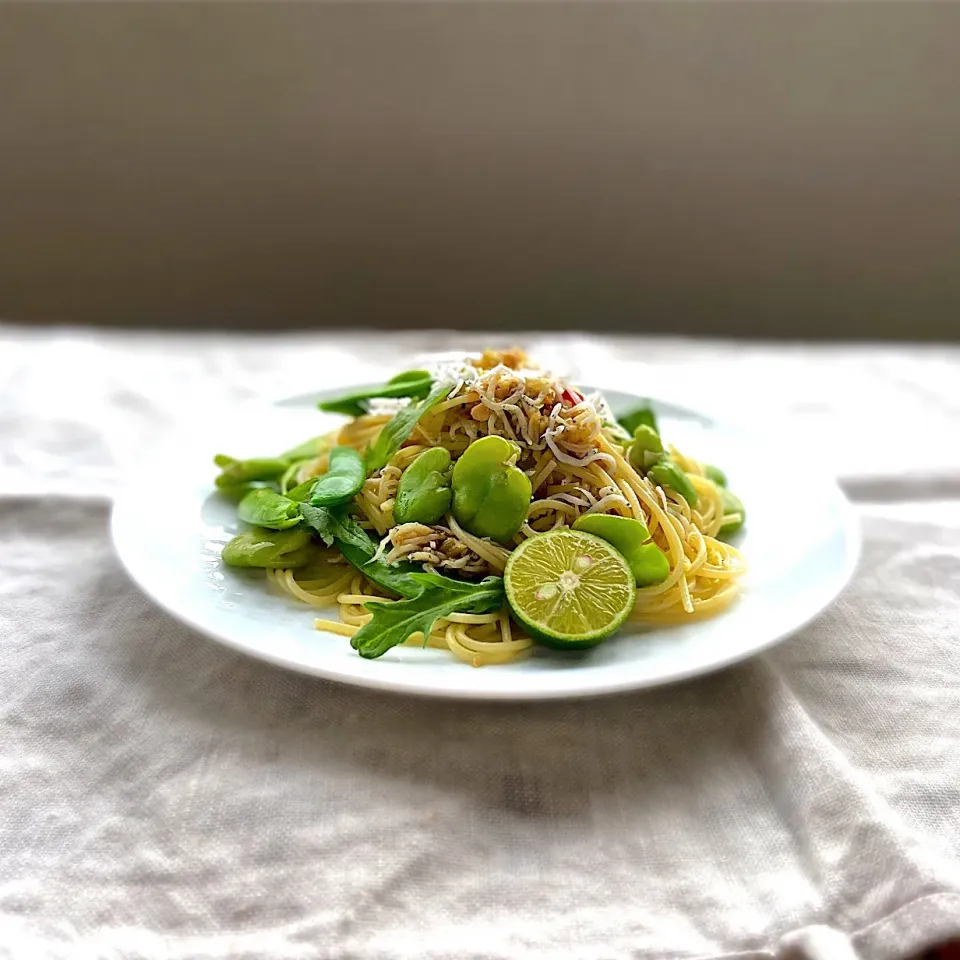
x,y
166,798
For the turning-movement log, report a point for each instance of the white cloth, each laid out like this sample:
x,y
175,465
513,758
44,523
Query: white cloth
x,y
164,798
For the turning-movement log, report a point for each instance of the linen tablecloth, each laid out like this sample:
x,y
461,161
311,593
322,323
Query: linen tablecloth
x,y
166,798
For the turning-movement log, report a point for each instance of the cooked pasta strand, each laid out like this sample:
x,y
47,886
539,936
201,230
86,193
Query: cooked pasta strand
x,y
577,465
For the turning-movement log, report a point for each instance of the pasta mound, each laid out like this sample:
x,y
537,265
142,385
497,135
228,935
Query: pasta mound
x,y
573,451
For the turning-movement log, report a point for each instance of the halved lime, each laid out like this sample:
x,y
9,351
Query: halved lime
x,y
569,589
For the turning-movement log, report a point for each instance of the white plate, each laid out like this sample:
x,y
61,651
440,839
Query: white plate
x,y
801,543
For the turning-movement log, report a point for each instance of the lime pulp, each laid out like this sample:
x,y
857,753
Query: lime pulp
x,y
569,589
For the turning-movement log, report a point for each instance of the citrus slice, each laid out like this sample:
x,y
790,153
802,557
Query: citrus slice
x,y
569,589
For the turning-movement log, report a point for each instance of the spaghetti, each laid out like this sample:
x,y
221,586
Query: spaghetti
x,y
575,456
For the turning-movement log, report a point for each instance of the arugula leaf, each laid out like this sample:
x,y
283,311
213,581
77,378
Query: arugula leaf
x,y
393,623
397,577
333,523
634,418
461,587
412,383
435,595
394,433
359,549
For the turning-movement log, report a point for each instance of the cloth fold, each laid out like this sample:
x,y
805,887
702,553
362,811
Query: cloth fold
x,y
165,797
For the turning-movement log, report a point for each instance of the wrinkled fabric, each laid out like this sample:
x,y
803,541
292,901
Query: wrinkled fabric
x,y
165,798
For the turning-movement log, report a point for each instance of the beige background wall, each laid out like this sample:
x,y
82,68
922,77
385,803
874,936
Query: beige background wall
x,y
762,168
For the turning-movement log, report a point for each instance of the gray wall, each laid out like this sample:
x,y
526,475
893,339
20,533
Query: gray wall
x,y
731,168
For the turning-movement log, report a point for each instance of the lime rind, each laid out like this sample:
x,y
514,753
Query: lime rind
x,y
569,589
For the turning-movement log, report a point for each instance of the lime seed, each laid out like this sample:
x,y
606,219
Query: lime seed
x,y
548,591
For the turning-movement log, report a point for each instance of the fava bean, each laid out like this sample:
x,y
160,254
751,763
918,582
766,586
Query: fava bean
x,y
302,491
491,496
648,563
410,383
732,508
343,479
274,549
266,508
646,447
667,474
424,494
715,474
234,472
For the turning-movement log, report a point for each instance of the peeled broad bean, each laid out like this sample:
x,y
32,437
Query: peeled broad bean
x,y
274,549
667,474
491,496
715,474
343,479
264,507
646,448
423,493
648,563
732,504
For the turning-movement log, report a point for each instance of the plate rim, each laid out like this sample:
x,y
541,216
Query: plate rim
x,y
597,686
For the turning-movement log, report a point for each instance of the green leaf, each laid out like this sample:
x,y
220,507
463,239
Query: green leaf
x,y
634,418
397,577
454,587
395,433
411,383
393,623
333,523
